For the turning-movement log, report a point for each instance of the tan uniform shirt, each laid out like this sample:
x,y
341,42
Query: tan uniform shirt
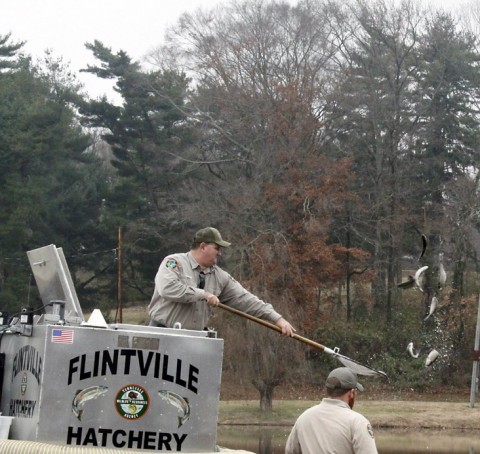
x,y
330,428
177,298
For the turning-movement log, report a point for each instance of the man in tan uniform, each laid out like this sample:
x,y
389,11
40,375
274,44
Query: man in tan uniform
x,y
332,426
188,284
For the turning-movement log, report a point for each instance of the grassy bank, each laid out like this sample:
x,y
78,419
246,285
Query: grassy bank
x,y
387,414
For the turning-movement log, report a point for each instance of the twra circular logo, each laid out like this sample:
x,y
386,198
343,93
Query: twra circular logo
x,y
132,402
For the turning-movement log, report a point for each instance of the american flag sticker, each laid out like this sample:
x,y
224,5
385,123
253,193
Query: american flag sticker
x,y
62,336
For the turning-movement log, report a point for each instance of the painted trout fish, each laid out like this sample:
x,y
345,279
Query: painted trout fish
x,y
179,402
84,395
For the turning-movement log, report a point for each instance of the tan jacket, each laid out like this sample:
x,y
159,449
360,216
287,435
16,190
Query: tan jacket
x,y
177,298
331,427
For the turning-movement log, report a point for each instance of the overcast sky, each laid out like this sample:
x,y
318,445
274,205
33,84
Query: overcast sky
x,y
64,26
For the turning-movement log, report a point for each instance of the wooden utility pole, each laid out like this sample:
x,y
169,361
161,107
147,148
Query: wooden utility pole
x,y
119,284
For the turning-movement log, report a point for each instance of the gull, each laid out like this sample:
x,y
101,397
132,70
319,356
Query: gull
x,y
432,356
413,353
433,307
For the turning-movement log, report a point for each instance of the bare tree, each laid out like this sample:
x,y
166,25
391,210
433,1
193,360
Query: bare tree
x,y
262,72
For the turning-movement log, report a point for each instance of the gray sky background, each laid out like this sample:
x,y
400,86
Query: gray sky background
x,y
64,26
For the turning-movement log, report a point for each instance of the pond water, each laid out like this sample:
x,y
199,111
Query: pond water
x,y
272,439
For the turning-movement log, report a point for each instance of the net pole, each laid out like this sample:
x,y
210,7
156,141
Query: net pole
x,y
355,365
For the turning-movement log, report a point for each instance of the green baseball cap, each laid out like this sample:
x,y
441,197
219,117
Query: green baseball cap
x,y
343,378
210,235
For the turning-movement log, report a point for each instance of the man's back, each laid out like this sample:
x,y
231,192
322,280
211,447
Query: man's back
x,y
331,428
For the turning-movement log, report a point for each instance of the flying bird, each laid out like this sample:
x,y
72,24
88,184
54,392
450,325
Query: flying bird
x,y
413,353
433,307
432,356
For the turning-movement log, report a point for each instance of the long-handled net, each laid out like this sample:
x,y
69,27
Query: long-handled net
x,y
360,369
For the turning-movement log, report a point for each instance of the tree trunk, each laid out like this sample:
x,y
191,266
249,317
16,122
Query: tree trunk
x,y
266,397
349,276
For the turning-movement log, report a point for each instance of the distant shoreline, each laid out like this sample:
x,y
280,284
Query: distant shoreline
x,y
388,414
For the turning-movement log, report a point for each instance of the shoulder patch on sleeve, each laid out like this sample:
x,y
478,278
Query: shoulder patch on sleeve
x,y
370,430
171,264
